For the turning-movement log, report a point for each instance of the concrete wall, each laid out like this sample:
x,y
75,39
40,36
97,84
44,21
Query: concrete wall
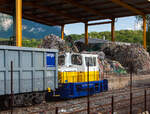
x,y
118,82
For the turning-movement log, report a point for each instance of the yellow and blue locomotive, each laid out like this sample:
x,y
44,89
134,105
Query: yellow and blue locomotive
x,y
78,73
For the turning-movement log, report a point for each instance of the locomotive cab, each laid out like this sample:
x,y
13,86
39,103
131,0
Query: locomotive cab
x,y
73,67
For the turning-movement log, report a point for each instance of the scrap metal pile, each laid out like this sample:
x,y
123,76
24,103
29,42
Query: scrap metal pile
x,y
113,56
108,65
55,42
133,55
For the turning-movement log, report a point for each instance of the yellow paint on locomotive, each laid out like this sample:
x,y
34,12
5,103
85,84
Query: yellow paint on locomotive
x,y
74,77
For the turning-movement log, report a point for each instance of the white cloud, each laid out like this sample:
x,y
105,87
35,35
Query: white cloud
x,y
67,32
40,29
138,25
5,22
129,28
24,27
32,29
36,30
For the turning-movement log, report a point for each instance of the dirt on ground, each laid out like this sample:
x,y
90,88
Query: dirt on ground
x,y
118,87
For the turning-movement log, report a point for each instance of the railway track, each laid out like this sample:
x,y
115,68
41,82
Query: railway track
x,y
99,102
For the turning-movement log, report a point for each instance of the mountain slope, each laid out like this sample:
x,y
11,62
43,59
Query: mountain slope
x,y
29,29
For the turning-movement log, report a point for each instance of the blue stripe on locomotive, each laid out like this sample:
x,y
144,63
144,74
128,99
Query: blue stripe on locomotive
x,y
73,90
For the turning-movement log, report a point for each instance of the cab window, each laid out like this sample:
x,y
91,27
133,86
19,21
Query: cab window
x,y
91,61
76,59
61,60
94,61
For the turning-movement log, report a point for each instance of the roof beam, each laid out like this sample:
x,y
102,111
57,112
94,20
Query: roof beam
x,y
40,20
127,6
49,10
99,23
87,8
30,17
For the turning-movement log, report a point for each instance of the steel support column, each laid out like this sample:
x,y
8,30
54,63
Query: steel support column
x,y
86,33
144,32
14,22
113,30
19,23
62,32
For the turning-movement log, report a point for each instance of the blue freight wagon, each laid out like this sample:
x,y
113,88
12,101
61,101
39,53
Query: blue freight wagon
x,y
34,71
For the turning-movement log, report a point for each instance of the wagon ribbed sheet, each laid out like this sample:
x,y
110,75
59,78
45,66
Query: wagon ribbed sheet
x,y
31,71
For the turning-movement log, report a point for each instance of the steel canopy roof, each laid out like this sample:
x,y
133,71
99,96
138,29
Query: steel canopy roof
x,y
61,12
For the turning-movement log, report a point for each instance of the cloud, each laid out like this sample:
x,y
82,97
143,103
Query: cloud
x,y
24,27
32,29
138,25
67,32
40,29
5,22
36,30
129,28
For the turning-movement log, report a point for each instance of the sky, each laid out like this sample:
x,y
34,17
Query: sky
x,y
126,23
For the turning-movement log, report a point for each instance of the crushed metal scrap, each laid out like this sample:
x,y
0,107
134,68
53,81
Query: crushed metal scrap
x,y
129,55
55,42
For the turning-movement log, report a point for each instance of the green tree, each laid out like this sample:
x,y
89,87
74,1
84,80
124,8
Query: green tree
x,y
121,36
31,42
